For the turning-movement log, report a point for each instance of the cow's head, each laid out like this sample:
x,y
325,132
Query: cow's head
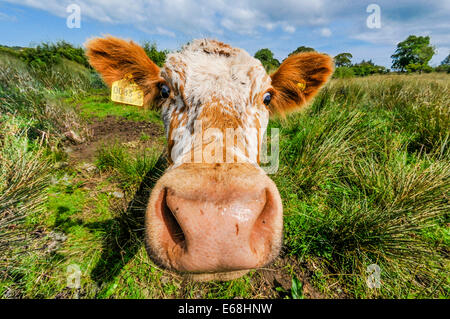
x,y
214,212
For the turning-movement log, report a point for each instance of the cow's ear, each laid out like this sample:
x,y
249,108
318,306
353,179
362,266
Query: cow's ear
x,y
298,79
115,58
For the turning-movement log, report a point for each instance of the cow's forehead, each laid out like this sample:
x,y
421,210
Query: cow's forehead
x,y
219,86
208,67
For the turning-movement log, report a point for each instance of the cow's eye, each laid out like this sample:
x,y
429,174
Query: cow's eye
x,y
165,91
266,98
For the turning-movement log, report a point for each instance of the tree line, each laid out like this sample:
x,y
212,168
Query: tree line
x,y
47,54
411,55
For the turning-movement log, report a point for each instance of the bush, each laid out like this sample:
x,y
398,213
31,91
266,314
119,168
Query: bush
x,y
343,72
365,68
47,54
443,68
6,51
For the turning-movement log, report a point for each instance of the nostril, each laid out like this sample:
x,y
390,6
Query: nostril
x,y
262,232
172,226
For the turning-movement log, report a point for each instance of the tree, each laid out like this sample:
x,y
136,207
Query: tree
x,y
159,57
343,59
365,68
413,54
267,59
302,49
444,66
446,61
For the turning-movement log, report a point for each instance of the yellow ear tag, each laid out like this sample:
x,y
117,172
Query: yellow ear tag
x,y
127,92
301,85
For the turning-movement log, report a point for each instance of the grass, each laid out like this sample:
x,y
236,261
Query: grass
x,y
128,169
37,95
296,290
99,106
105,240
24,178
363,177
33,120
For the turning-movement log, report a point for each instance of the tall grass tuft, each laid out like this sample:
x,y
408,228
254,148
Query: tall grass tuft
x,y
24,177
130,169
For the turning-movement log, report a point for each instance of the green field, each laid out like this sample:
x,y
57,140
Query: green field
x,y
364,178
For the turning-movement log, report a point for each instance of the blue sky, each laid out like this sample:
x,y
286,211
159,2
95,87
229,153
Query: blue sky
x,y
327,25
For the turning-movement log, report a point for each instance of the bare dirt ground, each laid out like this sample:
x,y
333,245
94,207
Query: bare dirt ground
x,y
278,275
110,130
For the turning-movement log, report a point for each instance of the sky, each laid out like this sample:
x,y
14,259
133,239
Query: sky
x,y
367,29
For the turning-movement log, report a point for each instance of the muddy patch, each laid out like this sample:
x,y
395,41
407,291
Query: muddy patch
x,y
277,279
110,130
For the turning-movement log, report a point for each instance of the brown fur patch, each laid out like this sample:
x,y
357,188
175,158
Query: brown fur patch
x,y
213,116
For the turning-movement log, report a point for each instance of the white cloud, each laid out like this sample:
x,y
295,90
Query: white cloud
x,y
289,29
5,17
325,32
243,17
285,20
195,17
163,31
270,26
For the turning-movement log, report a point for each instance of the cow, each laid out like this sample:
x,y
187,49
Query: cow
x,y
213,219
